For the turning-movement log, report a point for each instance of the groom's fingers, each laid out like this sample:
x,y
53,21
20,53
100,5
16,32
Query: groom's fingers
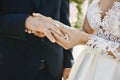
x,y
28,31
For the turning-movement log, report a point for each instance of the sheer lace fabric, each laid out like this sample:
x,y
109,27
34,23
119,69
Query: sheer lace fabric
x,y
105,46
107,30
95,62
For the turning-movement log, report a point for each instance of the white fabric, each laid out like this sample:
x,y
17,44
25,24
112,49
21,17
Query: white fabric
x,y
94,62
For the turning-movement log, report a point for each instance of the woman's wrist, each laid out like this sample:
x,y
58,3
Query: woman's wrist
x,y
84,37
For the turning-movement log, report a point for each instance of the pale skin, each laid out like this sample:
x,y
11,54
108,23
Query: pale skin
x,y
41,26
76,36
81,36
73,33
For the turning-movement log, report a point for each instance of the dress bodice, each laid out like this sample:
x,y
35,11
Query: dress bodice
x,y
109,26
107,30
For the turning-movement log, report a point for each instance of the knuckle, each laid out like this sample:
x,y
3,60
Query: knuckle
x,y
66,48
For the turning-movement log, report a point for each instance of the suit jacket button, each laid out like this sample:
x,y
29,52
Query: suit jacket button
x,y
42,64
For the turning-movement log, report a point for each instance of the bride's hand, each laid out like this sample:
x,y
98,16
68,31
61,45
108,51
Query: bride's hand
x,y
73,37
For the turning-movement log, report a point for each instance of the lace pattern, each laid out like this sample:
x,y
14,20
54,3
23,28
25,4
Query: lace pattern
x,y
109,26
104,45
107,30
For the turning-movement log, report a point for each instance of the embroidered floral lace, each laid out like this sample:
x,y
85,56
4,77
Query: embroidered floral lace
x,y
107,30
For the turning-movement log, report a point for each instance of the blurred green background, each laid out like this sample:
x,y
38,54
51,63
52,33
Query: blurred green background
x,y
79,14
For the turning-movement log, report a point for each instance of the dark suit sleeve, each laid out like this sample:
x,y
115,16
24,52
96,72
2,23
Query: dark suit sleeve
x,y
64,18
13,25
68,58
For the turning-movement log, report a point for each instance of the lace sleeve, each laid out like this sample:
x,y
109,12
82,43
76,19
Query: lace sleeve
x,y
105,45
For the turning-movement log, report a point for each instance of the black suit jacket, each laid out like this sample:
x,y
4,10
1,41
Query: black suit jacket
x,y
15,42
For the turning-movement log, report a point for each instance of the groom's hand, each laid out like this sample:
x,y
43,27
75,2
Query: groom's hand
x,y
66,73
52,22
41,24
36,33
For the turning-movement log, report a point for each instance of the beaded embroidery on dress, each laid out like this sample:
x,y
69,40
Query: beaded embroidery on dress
x,y
95,63
107,28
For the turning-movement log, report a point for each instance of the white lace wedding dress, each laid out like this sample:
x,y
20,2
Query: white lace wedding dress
x,y
94,62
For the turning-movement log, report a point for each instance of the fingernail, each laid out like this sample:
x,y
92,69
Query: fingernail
x,y
25,30
53,41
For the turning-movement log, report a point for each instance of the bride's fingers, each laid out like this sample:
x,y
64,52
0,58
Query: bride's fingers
x,y
49,35
58,31
65,29
60,34
60,40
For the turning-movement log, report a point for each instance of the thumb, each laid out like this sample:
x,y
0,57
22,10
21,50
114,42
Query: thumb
x,y
36,14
